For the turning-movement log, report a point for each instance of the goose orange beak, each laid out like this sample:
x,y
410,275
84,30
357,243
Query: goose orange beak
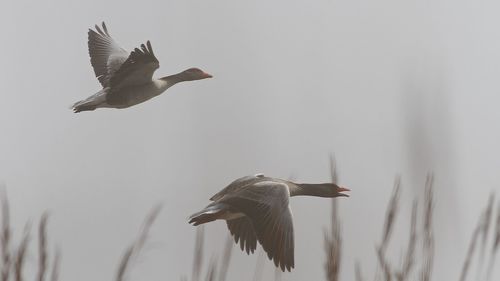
x,y
206,75
342,189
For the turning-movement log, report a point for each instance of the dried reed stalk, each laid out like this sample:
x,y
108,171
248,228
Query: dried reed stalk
x,y
333,244
198,254
211,272
21,254
13,263
388,227
5,237
472,248
124,264
133,251
332,238
409,260
42,247
495,244
428,232
224,266
470,253
485,230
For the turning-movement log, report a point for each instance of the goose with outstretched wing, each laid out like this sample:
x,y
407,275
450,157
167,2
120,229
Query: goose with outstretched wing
x,y
256,208
126,78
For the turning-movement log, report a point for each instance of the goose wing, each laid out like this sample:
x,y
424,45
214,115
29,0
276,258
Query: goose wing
x,y
137,69
242,231
265,203
238,184
106,56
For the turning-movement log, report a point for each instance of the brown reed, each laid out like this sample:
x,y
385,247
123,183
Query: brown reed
x,y
42,247
13,258
5,238
409,259
198,254
390,217
332,238
21,254
495,244
133,251
226,258
428,232
476,235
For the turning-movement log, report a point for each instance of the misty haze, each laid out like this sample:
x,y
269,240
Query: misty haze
x,y
394,101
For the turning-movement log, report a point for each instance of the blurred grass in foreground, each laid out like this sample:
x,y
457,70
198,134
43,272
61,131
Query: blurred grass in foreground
x,y
415,264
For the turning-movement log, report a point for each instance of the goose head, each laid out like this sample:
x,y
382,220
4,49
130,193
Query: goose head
x,y
329,190
194,74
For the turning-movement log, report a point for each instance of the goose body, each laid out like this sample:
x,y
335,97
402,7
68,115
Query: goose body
x,y
256,208
126,77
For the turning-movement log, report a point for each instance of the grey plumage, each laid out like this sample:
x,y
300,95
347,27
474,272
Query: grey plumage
x,y
126,78
256,208
106,56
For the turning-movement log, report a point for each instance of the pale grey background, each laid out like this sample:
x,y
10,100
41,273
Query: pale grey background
x,y
391,87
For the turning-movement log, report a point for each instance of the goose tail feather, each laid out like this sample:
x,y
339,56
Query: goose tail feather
x,y
90,103
210,213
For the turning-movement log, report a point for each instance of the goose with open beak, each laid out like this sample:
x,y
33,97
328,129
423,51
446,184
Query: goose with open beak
x,y
256,208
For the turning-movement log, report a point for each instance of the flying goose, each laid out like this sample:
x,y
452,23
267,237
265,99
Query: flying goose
x,y
126,78
256,208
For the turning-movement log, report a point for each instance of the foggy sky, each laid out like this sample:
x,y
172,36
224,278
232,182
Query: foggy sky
x,y
390,87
